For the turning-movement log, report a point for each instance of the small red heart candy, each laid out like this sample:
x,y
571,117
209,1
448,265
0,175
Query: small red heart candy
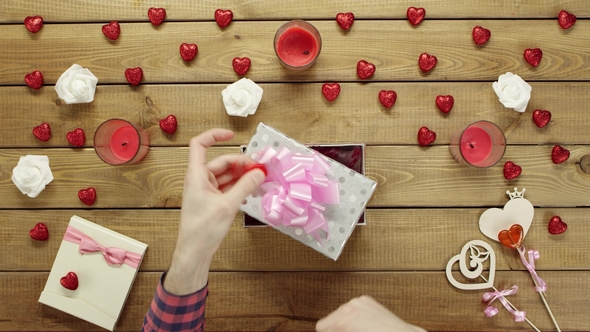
x,y
415,15
34,80
445,103
257,166
134,75
70,281
42,132
533,56
111,30
365,69
427,62
566,20
156,15
513,237
188,51
331,90
34,23
76,137
241,65
223,17
426,136
39,232
556,225
559,154
345,20
511,170
541,118
87,196
481,35
169,124
387,98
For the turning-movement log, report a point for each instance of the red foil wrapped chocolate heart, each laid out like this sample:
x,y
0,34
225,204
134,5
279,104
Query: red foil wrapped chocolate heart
x,y
541,118
559,154
365,69
345,20
42,132
556,225
533,56
331,91
169,124
511,170
387,98
427,62
39,232
188,51
241,65
156,15
69,281
426,136
415,15
87,196
111,30
223,17
480,35
34,80
566,20
134,75
76,137
445,103
34,23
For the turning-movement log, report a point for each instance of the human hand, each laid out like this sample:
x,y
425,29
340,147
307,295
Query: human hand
x,y
364,314
212,195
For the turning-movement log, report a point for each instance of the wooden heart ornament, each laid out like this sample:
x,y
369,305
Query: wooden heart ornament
x,y
479,252
516,211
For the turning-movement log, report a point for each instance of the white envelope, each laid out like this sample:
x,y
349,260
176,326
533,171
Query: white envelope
x,y
102,288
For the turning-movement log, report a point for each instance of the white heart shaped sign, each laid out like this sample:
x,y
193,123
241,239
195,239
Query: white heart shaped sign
x,y
516,211
476,259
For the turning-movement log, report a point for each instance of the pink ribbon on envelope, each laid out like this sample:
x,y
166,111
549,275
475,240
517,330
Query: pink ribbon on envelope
x,y
489,297
114,256
296,187
530,265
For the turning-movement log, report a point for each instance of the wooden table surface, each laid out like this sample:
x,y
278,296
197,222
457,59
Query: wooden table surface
x,y
426,205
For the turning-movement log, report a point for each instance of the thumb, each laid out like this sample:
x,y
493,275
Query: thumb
x,y
245,186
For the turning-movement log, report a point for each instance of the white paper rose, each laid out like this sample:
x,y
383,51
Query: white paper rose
x,y
513,91
32,174
76,85
242,97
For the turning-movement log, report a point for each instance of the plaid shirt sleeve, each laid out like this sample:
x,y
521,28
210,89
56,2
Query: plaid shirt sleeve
x,y
169,312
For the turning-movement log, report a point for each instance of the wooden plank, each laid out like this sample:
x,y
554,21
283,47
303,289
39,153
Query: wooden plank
x,y
15,11
309,116
406,176
393,46
292,301
387,243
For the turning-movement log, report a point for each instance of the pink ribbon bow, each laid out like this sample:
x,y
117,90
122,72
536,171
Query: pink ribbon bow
x,y
530,265
114,256
490,297
296,186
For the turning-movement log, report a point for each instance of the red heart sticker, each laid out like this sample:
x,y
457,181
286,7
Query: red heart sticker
x,y
34,23
559,154
445,103
169,124
556,225
188,51
415,15
541,118
241,65
566,20
87,196
42,132
365,69
511,170
223,17
387,98
481,35
426,136
69,281
331,91
533,56
134,75
156,15
513,237
76,137
111,30
34,80
427,62
345,20
39,232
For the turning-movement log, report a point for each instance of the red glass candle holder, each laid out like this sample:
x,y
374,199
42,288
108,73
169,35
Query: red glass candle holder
x,y
118,142
297,44
480,144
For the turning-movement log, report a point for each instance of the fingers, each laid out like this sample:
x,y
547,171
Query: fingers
x,y
243,187
200,143
225,162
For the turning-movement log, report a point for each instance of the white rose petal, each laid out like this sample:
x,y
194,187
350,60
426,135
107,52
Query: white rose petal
x,y
76,85
32,174
513,91
242,97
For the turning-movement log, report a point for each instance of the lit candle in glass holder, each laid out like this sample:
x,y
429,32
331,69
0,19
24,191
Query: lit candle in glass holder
x,y
118,142
481,144
297,44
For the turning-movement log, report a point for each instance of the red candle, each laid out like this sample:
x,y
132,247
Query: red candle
x,y
297,44
481,144
118,142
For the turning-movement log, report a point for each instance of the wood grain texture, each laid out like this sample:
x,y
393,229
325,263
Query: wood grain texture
x,y
14,11
393,46
356,116
387,243
293,301
406,176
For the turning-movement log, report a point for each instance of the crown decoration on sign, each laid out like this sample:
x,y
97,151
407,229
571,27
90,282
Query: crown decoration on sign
x,y
516,193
